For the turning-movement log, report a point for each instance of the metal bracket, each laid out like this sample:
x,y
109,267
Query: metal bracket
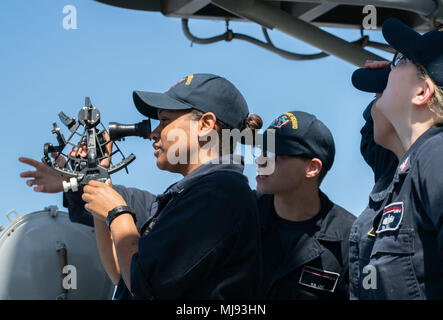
x,y
59,245
53,211
63,253
8,215
261,12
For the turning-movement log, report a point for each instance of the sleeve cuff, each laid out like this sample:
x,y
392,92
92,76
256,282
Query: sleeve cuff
x,y
76,208
139,287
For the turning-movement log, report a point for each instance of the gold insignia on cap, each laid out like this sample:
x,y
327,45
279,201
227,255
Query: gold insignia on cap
x,y
293,120
189,79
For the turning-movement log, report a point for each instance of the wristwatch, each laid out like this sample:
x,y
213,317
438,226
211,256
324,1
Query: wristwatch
x,y
114,213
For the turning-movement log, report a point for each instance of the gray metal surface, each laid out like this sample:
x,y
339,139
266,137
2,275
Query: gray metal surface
x,y
33,249
422,7
303,19
312,8
317,11
184,7
272,17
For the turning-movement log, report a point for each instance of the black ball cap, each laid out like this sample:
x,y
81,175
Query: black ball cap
x,y
202,91
299,133
371,80
425,49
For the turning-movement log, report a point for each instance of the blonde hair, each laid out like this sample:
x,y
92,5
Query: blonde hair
x,y
436,102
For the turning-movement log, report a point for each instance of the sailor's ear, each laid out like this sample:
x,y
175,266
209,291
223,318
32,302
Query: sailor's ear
x,y
206,123
313,168
424,93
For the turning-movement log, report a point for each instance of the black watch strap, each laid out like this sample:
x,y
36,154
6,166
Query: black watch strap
x,y
114,213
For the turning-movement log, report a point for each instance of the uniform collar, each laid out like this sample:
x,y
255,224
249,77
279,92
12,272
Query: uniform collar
x,y
325,229
380,190
406,162
226,163
432,131
308,247
410,155
330,230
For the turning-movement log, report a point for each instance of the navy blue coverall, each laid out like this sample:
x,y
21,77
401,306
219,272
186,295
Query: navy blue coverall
x,y
316,266
399,252
205,243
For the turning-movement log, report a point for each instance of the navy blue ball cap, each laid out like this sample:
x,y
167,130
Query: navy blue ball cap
x,y
299,133
371,80
202,91
426,49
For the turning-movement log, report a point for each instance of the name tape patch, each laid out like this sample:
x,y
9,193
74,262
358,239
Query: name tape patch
x,y
319,279
391,218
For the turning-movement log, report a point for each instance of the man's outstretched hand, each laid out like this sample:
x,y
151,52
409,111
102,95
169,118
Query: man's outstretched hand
x,y
43,178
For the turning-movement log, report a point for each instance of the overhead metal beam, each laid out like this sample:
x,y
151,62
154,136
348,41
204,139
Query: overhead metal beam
x,y
151,5
317,11
183,7
272,17
422,7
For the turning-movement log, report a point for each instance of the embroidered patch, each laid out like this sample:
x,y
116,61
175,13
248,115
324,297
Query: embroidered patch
x,y
189,79
391,218
293,120
280,121
319,279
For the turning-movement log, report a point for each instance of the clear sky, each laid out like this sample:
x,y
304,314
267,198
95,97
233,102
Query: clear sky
x,y
45,69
